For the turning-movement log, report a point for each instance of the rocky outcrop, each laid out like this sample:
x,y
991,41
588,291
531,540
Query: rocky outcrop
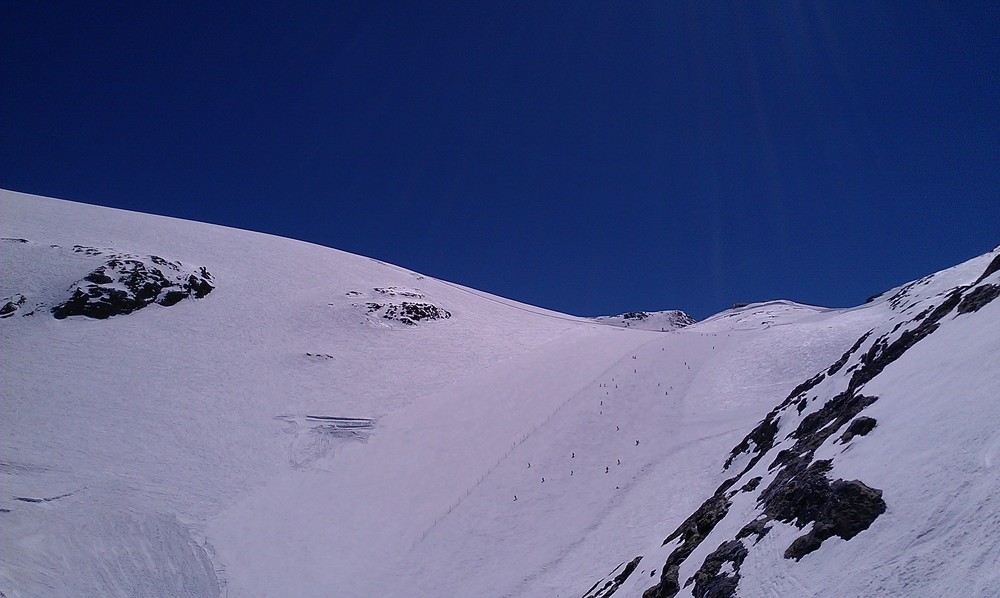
x,y
691,533
411,313
711,580
978,298
11,305
859,427
802,493
406,312
126,283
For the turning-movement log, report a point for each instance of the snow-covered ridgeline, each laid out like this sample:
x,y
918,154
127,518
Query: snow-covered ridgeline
x,y
321,423
768,526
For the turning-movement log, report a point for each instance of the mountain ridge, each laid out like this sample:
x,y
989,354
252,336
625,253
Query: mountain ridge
x,y
279,435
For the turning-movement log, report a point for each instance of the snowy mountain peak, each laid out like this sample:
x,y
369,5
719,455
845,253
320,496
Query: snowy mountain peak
x,y
662,321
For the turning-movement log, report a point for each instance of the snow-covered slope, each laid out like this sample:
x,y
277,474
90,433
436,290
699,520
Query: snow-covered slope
x,y
874,477
257,416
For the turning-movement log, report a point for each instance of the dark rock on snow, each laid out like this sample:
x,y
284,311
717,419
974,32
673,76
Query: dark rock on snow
x,y
849,508
407,312
691,533
992,268
610,587
710,581
837,365
124,284
12,305
411,313
978,298
859,427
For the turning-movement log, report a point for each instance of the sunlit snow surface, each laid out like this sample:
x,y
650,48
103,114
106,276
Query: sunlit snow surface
x,y
281,437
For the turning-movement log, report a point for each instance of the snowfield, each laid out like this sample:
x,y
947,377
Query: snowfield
x,y
247,415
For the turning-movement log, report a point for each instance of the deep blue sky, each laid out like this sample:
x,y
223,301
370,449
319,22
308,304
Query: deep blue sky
x,y
587,157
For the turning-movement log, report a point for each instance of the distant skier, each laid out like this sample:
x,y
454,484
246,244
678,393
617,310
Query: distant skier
x,y
637,443
606,469
619,461
529,464
515,497
572,455
543,480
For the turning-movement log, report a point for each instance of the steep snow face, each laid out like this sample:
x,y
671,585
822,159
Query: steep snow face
x,y
320,423
662,321
881,464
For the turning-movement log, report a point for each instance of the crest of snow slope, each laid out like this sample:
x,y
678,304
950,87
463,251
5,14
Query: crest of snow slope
x,y
662,321
876,476
278,438
149,425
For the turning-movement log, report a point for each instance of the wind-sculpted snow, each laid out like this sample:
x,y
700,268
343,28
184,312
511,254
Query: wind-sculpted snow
x,y
313,439
132,551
